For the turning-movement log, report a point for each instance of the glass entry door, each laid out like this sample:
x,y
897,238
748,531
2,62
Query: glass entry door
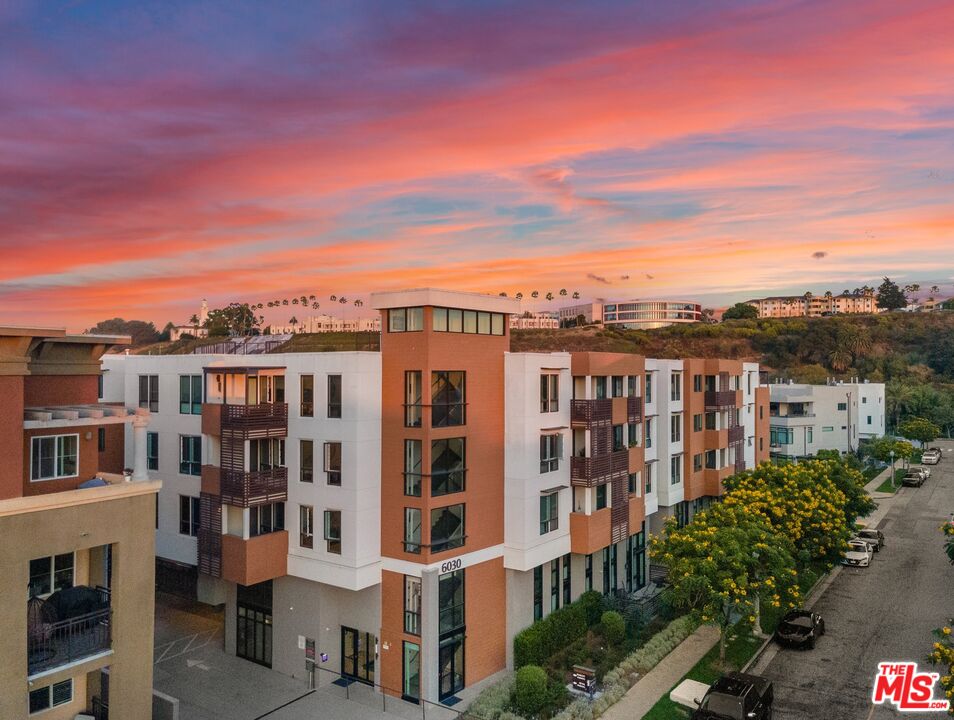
x,y
451,664
412,672
357,655
253,637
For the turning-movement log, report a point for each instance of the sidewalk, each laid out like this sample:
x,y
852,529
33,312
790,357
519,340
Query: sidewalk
x,y
661,679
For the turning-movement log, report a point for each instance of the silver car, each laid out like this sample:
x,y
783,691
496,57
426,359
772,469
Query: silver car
x,y
858,554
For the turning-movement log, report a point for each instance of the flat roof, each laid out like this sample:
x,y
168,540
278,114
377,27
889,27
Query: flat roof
x,y
444,298
241,370
31,331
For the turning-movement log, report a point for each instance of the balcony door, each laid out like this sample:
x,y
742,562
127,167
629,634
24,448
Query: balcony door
x,y
357,655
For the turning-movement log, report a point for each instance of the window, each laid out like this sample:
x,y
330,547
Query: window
x,y
649,477
306,464
152,450
633,483
101,438
554,584
447,466
265,454
49,574
617,386
54,457
600,497
600,387
618,438
828,428
566,579
412,605
450,601
412,530
99,386
711,418
334,396
781,436
675,387
189,510
606,570
551,451
697,423
549,392
675,427
632,434
649,387
412,468
869,419
447,528
468,321
842,406
149,392
808,435
675,470
413,398
588,572
538,592
697,462
333,531
333,463
307,395
190,394
306,526
649,433
697,383
190,454
51,696
864,400
264,519
447,398
406,319
549,512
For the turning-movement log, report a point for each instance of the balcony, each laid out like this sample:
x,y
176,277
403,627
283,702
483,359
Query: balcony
x,y
593,471
592,412
71,625
589,533
246,422
721,399
736,434
255,560
634,409
247,489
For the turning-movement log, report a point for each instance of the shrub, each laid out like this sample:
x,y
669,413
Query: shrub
x,y
492,702
614,628
592,603
531,690
533,645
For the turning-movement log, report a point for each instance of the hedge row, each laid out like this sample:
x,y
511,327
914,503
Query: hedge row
x,y
535,644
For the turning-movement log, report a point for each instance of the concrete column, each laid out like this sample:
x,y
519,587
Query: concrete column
x,y
430,636
140,423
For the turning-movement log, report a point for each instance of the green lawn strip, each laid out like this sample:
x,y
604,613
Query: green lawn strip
x,y
887,486
871,473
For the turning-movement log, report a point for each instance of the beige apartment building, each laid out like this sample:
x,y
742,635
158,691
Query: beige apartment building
x,y
77,600
809,305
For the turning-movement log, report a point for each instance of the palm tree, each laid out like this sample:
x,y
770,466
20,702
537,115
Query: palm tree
x,y
333,298
359,303
293,321
535,294
315,306
343,300
503,294
562,292
549,296
194,321
576,296
839,359
294,301
519,296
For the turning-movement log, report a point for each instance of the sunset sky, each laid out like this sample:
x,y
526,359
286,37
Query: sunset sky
x,y
152,154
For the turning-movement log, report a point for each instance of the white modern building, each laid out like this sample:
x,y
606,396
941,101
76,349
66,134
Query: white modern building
x,y
836,416
535,321
631,314
329,323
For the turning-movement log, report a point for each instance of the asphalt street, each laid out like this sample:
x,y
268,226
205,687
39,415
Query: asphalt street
x,y
875,614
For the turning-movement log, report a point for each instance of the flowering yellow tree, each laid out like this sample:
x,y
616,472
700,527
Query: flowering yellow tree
x,y
722,563
801,502
942,653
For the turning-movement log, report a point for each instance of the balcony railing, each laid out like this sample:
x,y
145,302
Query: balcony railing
x,y
736,434
60,642
716,399
591,412
591,471
256,421
634,409
246,489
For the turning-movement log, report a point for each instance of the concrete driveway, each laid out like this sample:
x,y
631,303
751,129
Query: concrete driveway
x,y
884,612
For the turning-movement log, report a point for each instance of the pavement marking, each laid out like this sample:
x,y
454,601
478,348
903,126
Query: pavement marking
x,y
167,654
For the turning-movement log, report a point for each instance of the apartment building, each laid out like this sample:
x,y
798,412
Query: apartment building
x,y
837,416
535,321
329,323
632,314
82,641
809,305
398,516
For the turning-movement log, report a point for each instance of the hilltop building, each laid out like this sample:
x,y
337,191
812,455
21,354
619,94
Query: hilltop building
x,y
329,323
632,314
809,305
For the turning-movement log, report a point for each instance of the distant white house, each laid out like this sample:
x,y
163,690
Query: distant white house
x,y
807,418
176,332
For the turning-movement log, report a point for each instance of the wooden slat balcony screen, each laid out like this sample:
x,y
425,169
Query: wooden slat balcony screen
x,y
634,409
210,535
247,489
593,471
717,399
592,412
619,515
249,422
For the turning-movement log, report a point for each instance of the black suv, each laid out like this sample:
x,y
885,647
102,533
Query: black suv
x,y
736,696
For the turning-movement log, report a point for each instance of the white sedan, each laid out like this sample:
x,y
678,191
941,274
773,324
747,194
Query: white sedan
x,y
858,554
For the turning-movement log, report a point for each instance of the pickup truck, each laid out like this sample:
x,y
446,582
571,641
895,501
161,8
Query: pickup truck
x,y
736,696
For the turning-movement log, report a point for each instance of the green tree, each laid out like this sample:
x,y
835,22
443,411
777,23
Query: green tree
x,y
530,690
722,562
141,331
890,296
920,429
614,627
881,449
741,311
234,319
845,473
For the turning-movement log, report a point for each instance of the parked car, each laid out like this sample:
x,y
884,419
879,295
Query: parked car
x,y
912,479
800,628
874,538
737,696
858,554
930,457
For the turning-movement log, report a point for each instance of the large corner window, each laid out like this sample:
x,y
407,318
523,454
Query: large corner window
x,y
190,394
412,530
149,392
54,457
472,322
49,574
447,398
447,466
447,528
406,319
190,454
264,519
450,598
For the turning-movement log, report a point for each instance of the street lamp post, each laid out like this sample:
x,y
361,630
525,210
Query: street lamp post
x,y
892,468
